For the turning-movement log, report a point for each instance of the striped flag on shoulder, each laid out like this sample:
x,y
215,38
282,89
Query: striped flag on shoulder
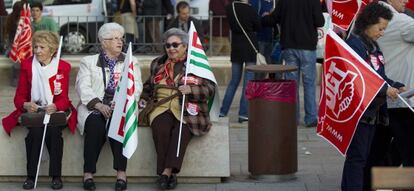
x,y
197,64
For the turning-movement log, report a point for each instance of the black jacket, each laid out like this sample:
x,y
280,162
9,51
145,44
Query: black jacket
x,y
174,24
298,21
241,50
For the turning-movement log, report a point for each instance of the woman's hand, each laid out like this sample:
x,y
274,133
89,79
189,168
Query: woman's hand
x,y
185,89
50,108
104,109
30,107
392,92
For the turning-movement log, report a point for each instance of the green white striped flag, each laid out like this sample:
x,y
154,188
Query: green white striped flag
x,y
197,64
124,122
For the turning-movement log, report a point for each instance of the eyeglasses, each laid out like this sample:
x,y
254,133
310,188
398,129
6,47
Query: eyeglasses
x,y
174,45
122,39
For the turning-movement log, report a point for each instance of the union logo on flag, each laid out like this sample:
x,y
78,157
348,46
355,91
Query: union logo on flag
x,y
349,85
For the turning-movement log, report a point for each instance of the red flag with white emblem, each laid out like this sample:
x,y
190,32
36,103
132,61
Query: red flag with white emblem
x,y
22,44
349,85
344,12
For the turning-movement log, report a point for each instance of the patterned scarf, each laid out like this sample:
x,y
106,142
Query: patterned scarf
x,y
167,72
111,64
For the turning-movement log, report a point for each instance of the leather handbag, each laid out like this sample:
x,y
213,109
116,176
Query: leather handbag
x,y
57,119
260,59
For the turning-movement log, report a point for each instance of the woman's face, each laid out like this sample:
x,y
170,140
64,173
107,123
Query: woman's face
x,y
375,31
43,52
175,48
113,45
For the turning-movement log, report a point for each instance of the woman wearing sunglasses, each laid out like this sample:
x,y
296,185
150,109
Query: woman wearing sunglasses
x,y
165,84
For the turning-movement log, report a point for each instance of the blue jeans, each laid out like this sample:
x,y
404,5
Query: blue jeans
x,y
236,74
305,60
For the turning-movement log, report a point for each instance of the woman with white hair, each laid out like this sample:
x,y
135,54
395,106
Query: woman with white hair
x,y
95,84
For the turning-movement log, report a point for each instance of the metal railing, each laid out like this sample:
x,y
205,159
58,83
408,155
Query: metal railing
x,y
80,33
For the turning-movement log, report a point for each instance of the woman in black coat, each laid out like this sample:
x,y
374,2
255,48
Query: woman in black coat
x,y
242,52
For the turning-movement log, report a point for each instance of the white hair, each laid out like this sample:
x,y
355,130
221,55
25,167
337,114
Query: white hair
x,y
107,30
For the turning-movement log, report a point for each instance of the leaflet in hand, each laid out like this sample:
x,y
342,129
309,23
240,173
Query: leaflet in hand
x,y
407,94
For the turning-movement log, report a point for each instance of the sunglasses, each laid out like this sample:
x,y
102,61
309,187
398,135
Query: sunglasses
x,y
174,45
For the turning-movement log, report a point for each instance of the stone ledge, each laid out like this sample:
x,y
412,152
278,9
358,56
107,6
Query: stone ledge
x,y
207,158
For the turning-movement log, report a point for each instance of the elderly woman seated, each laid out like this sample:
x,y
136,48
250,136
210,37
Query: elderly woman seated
x,y
38,84
166,83
95,84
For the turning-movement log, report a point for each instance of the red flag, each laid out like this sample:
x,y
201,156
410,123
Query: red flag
x,y
22,44
349,85
344,12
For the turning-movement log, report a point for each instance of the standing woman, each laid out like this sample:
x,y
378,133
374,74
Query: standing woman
x,y
165,84
242,52
95,84
30,98
369,26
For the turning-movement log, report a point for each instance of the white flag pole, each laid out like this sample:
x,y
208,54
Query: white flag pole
x,y
405,102
47,118
185,83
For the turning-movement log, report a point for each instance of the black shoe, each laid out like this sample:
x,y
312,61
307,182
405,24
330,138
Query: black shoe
x,y
120,185
243,119
172,182
312,124
89,184
56,183
163,182
28,184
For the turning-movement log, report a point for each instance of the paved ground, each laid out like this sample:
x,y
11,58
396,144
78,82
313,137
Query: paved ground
x,y
319,164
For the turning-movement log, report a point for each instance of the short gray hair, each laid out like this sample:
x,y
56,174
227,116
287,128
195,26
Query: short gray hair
x,y
176,32
107,29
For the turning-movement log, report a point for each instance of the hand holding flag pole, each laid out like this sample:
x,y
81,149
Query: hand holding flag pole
x,y
47,116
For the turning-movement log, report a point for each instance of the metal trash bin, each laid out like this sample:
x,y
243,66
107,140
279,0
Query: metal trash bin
x,y
272,130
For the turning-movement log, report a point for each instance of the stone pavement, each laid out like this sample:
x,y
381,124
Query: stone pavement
x,y
319,164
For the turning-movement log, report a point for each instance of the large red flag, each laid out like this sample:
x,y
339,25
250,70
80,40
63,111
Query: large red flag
x,y
343,13
349,85
22,44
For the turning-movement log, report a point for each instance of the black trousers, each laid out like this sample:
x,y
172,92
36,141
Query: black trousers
x,y
95,137
383,152
54,145
356,158
402,126
165,130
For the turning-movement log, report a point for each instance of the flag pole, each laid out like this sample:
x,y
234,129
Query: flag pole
x,y
185,83
405,102
46,119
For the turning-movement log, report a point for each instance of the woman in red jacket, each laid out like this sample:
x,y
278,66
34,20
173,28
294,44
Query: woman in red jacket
x,y
37,76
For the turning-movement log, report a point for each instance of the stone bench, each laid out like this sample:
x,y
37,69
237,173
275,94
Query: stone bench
x,y
207,158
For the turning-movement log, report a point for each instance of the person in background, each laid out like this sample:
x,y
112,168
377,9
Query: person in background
x,y
95,84
397,45
166,81
9,31
183,19
369,26
153,29
128,9
220,42
31,98
242,53
265,36
42,23
298,43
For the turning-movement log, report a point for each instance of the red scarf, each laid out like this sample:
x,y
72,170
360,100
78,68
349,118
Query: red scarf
x,y
165,72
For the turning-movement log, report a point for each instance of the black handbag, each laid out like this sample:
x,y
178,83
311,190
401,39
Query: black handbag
x,y
57,119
